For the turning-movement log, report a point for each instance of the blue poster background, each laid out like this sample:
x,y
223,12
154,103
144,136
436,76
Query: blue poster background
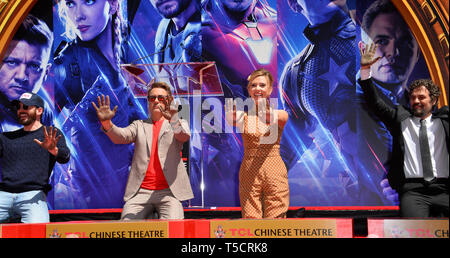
x,y
331,160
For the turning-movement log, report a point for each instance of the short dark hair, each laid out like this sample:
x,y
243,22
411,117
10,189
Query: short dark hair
x,y
434,90
161,85
35,32
376,8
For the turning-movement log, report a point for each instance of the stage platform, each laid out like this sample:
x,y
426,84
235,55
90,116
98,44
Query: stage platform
x,y
359,214
235,213
302,222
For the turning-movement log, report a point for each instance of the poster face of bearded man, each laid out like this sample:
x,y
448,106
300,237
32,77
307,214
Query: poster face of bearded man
x,y
170,8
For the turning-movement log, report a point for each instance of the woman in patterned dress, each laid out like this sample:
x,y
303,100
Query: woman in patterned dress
x,y
263,182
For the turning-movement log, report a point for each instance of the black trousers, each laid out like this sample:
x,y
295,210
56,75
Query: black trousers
x,y
420,200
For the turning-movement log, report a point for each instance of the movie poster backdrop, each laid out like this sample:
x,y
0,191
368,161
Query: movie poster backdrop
x,y
334,148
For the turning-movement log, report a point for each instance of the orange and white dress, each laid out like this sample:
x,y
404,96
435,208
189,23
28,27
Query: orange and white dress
x,y
263,181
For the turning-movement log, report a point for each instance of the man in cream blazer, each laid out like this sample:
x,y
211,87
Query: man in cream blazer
x,y
151,184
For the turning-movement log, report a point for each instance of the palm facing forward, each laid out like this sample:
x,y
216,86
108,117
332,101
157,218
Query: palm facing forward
x,y
171,110
104,112
50,140
368,55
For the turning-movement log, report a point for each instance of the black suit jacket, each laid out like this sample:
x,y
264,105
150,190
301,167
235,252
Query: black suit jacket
x,y
392,118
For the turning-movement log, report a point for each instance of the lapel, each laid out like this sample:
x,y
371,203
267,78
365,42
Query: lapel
x,y
148,130
442,114
164,129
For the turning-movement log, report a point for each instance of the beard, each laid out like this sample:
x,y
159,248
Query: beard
x,y
29,119
420,111
172,10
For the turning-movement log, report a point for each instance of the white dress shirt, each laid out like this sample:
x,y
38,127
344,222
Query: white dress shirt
x,y
438,148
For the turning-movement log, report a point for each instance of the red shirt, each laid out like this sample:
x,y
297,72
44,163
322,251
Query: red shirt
x,y
154,178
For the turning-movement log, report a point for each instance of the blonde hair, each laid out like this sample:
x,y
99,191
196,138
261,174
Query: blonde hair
x,y
117,24
260,72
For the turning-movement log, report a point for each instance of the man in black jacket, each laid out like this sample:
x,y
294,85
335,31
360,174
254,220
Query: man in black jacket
x,y
419,164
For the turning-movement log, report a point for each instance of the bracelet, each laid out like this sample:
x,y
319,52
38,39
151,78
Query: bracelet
x,y
365,67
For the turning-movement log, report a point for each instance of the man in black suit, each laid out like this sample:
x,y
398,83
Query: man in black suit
x,y
419,164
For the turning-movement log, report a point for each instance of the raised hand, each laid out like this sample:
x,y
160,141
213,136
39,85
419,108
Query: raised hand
x,y
50,140
368,55
104,112
171,110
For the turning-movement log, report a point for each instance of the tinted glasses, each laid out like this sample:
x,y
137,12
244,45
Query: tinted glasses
x,y
160,98
17,106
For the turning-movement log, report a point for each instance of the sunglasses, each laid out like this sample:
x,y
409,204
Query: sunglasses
x,y
24,107
160,98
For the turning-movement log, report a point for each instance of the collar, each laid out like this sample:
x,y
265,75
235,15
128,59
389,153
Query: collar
x,y
417,120
159,122
397,97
